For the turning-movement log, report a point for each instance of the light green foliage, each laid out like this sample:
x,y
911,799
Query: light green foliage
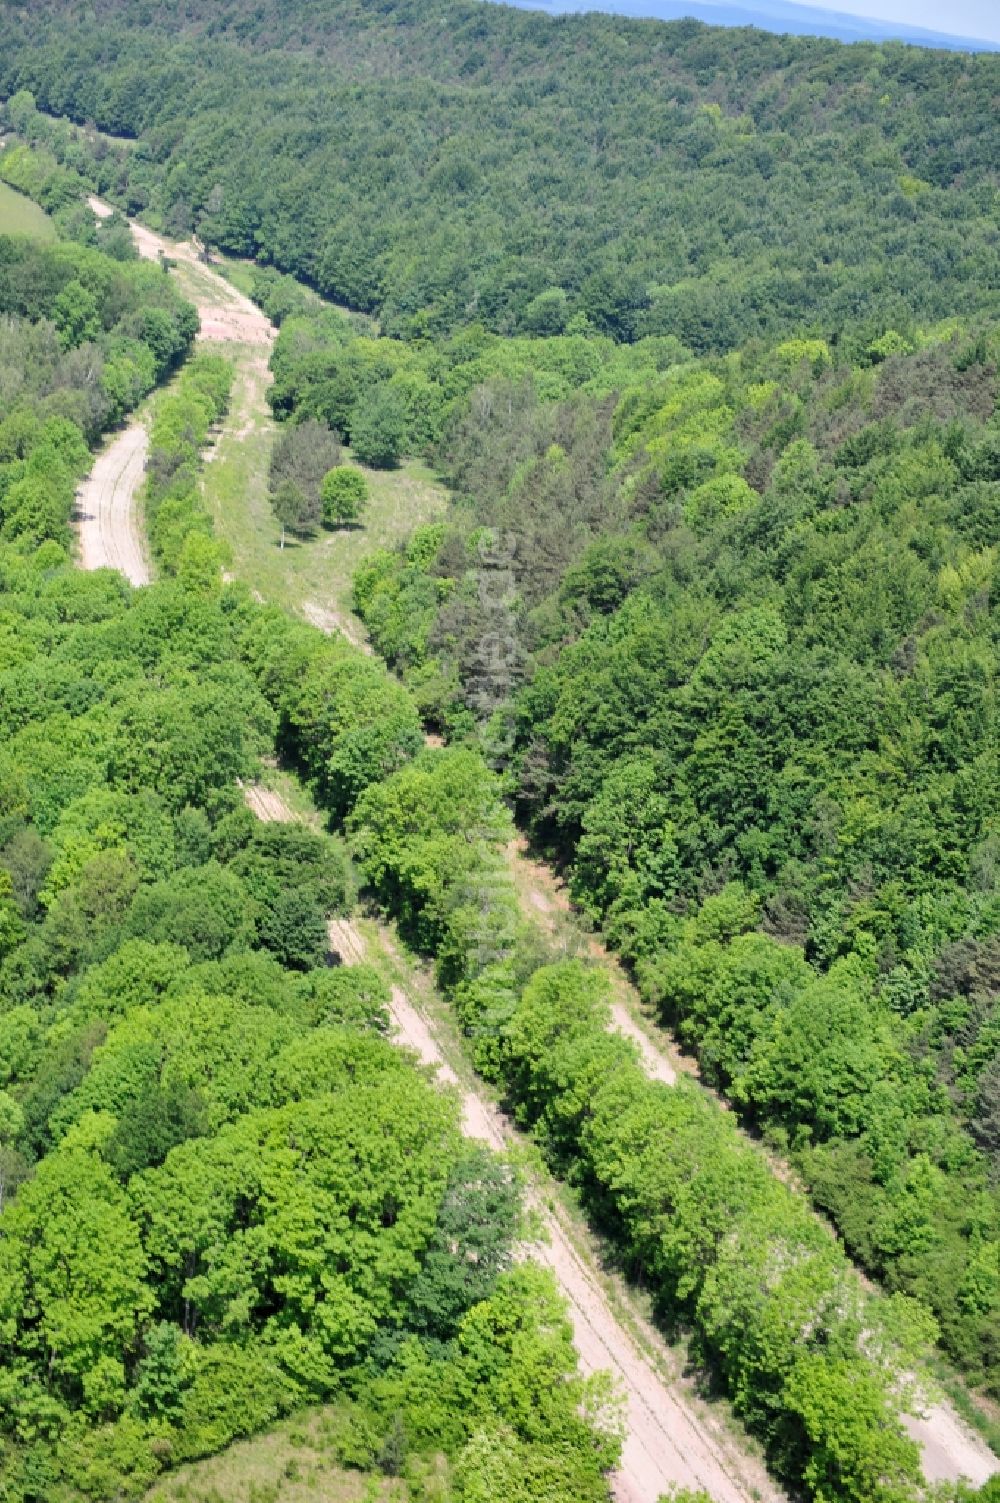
x,y
344,492
349,722
72,1290
427,840
746,601
723,496
763,650
222,1191
220,1186
175,511
323,1206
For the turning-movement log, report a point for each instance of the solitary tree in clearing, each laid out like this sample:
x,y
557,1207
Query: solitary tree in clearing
x,y
302,455
344,492
295,510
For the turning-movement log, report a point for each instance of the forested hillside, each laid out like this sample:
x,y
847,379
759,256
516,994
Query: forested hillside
x,y
700,330
755,635
224,1193
446,163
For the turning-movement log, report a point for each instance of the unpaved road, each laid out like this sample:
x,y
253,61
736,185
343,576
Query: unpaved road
x,y
949,1449
671,1438
110,536
108,526
227,315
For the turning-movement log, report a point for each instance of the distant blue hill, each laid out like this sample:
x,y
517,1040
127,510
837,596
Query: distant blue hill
x,y
769,15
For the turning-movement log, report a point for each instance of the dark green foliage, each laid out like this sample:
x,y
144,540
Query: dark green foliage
x,y
205,910
339,714
84,338
747,613
378,429
303,454
592,172
293,928
470,1248
151,1124
790,683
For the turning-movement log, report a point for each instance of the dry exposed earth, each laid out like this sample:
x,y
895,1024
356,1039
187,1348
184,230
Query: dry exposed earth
x,y
108,528
949,1449
671,1438
227,315
331,621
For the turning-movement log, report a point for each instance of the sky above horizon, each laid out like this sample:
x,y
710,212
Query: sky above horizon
x,y
967,18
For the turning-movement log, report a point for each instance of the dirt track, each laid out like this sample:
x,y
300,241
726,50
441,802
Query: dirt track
x,y
110,535
107,525
949,1448
670,1438
667,1440
227,315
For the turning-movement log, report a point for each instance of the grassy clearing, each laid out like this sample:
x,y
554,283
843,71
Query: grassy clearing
x,y
21,216
290,1464
318,571
239,272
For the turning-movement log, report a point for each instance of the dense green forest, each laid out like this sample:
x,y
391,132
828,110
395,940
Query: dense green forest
x,y
752,659
445,163
700,330
225,1194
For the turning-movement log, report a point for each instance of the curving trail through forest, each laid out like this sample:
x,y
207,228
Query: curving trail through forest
x,y
109,528
669,1439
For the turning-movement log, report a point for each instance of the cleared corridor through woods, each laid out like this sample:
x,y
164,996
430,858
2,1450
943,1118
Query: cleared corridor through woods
x,y
108,520
669,1439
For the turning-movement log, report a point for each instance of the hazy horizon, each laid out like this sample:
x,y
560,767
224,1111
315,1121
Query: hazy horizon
x,y
966,23
978,20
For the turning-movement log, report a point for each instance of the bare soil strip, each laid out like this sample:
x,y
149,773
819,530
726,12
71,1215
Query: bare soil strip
x,y
227,315
107,525
330,621
949,1449
669,1440
268,806
110,537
